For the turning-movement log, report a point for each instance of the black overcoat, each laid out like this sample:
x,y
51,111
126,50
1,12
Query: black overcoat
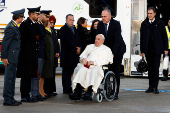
x,y
159,35
114,38
56,46
84,37
69,42
27,63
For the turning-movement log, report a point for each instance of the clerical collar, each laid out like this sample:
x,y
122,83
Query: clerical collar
x,y
15,23
152,21
99,46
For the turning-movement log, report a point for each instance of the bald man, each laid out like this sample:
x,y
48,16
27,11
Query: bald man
x,y
111,29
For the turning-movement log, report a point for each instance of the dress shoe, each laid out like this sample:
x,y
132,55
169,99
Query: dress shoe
x,y
165,78
149,90
53,94
75,96
48,95
40,98
87,96
116,96
11,103
16,101
29,99
155,91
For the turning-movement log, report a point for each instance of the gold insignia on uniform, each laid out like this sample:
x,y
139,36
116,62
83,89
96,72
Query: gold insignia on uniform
x,y
39,22
14,24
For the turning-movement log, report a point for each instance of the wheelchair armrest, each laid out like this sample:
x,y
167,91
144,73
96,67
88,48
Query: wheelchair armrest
x,y
104,67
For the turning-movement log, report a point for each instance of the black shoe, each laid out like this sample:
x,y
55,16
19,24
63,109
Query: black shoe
x,y
29,99
53,94
11,103
48,95
165,78
17,102
75,96
155,91
87,96
116,96
149,90
40,98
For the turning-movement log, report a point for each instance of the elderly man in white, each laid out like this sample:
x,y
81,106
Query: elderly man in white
x,y
89,73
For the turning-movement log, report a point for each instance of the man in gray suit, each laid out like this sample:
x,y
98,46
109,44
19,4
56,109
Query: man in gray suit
x,y
9,54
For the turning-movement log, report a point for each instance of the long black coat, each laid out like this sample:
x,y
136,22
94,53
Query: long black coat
x,y
69,42
114,38
160,36
27,64
84,37
56,46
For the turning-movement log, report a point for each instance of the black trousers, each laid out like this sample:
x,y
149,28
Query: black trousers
x,y
49,84
25,87
115,67
66,79
153,61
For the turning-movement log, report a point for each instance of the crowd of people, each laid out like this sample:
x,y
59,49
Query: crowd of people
x,y
30,52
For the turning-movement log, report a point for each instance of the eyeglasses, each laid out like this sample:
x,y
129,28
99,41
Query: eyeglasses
x,y
51,22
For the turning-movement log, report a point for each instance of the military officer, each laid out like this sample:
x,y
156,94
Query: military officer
x,y
40,54
9,54
27,63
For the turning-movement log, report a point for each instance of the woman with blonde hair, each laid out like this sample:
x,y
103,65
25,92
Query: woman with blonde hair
x,y
47,69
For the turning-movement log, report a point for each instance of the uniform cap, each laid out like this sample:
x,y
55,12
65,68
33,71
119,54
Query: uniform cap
x,y
34,10
46,12
19,11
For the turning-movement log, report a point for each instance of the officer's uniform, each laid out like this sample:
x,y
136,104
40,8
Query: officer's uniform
x,y
10,50
27,61
40,60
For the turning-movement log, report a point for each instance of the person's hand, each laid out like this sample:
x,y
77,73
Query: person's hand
x,y
166,52
56,55
5,61
143,55
90,63
78,50
84,61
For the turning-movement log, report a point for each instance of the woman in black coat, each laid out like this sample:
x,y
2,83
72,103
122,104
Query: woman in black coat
x,y
47,69
93,30
83,32
49,83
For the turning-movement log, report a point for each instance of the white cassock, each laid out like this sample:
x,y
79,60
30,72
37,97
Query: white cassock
x,y
101,55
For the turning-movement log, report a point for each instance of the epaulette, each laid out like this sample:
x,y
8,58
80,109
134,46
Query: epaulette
x,y
14,23
39,22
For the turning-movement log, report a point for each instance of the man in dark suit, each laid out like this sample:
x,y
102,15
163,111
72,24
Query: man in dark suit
x,y
70,50
153,43
9,54
111,29
27,63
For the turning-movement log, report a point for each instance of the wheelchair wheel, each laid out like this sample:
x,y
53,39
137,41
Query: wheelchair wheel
x,y
99,97
109,86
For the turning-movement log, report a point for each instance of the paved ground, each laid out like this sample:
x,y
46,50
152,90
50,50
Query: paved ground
x,y
132,99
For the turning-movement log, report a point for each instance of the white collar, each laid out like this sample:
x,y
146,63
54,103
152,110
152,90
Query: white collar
x,y
15,22
108,25
152,21
32,21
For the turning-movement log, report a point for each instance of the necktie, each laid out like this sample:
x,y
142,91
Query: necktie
x,y
105,28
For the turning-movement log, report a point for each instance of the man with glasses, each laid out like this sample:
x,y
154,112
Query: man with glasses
x,y
70,50
27,63
153,43
9,54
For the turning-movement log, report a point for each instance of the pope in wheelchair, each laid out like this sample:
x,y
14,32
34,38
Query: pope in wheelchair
x,y
88,74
